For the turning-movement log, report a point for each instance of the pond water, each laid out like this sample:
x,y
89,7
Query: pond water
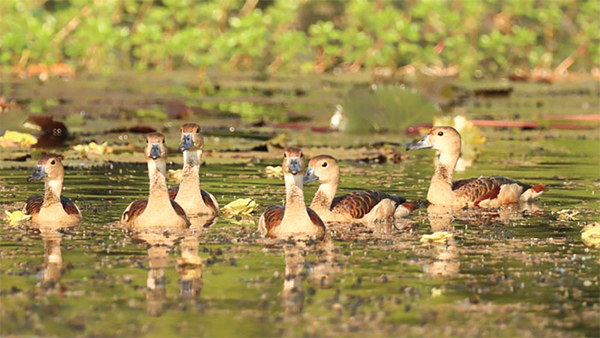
x,y
512,272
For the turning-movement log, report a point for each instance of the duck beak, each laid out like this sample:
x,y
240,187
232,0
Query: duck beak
x,y
422,144
294,165
38,174
186,142
155,151
310,176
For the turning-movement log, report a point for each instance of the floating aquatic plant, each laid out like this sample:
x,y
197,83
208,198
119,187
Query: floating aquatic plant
x,y
13,139
241,206
16,217
438,237
591,235
175,175
274,172
93,148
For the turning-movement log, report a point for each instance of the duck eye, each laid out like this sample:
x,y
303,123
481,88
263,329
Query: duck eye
x,y
441,133
163,141
53,162
324,165
146,141
197,131
284,155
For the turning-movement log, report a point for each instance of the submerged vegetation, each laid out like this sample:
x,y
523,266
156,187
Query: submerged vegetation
x,y
475,38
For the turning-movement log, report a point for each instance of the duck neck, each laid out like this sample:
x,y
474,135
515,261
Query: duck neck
x,y
52,189
294,196
159,195
440,190
324,197
190,183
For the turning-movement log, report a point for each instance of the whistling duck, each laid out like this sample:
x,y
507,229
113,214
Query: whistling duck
x,y
158,210
52,208
362,206
188,194
492,191
293,219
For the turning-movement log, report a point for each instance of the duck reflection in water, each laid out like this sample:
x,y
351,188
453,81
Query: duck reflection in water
x,y
320,271
52,269
445,250
160,242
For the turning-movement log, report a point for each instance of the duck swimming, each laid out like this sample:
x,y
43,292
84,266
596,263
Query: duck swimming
x,y
188,194
52,208
363,206
492,191
158,210
293,219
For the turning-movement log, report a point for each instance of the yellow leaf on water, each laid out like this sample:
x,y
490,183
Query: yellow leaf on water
x,y
438,237
94,148
435,292
175,175
590,235
15,217
242,206
274,172
17,139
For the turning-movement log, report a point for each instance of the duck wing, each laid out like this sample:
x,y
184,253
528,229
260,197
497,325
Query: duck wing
x,y
33,205
315,219
271,218
135,209
488,188
69,206
210,201
358,204
173,192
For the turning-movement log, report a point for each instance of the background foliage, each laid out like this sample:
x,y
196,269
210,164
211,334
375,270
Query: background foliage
x,y
482,38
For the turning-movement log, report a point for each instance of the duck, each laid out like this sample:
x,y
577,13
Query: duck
x,y
362,206
188,194
52,207
492,192
158,210
294,219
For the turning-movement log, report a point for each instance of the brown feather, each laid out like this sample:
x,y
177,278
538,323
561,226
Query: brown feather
x,y
209,201
173,192
476,188
489,196
178,209
315,219
135,209
358,204
34,204
69,206
273,216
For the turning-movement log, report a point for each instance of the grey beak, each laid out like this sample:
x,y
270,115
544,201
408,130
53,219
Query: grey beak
x,y
422,144
38,174
155,151
310,176
294,165
186,142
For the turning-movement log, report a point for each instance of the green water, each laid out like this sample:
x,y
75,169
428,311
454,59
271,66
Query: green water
x,y
508,273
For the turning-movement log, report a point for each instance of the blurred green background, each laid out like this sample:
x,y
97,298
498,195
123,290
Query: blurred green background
x,y
473,38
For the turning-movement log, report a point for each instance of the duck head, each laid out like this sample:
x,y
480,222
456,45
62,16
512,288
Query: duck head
x,y
155,147
191,139
49,168
445,140
323,168
293,162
